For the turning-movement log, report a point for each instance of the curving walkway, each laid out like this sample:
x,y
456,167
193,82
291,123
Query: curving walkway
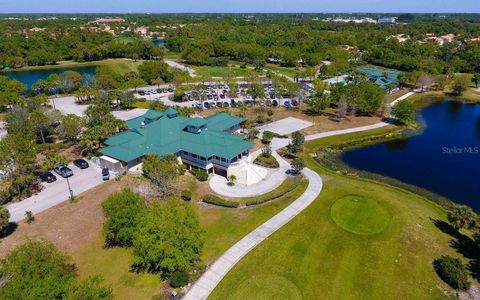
x,y
202,288
215,273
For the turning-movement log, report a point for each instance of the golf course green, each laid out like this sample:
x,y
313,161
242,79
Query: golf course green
x,y
360,215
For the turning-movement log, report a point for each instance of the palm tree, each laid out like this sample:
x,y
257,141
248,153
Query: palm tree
x,y
476,79
231,179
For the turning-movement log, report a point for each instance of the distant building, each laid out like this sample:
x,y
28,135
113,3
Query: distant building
x,y
440,40
109,20
387,20
349,20
386,79
401,38
143,31
336,80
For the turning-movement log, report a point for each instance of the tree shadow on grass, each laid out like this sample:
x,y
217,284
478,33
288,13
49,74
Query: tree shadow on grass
x,y
464,245
11,227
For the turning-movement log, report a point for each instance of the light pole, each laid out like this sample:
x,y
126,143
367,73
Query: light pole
x,y
70,189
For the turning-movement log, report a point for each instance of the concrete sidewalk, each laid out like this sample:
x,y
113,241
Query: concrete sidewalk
x,y
215,273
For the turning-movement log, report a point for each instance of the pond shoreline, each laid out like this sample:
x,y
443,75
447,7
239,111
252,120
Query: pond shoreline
x,y
67,64
437,174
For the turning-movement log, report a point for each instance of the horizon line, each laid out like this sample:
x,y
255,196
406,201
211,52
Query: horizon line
x,y
237,13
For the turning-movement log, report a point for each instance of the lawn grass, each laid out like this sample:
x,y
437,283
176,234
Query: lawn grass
x,y
113,265
141,104
119,66
218,71
127,40
225,226
290,72
171,55
312,257
359,214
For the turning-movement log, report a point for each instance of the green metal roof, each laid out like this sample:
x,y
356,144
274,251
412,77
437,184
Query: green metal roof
x,y
162,135
223,121
197,122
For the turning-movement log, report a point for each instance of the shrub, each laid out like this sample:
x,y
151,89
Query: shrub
x,y
52,159
4,216
298,164
452,271
404,111
200,174
268,161
261,119
30,217
179,279
282,190
267,137
212,199
187,195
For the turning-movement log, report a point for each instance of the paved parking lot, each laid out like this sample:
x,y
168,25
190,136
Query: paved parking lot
x,y
57,192
67,105
129,114
286,126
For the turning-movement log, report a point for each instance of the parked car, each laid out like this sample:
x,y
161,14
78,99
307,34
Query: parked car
x,y
287,103
292,172
47,177
105,174
81,163
63,170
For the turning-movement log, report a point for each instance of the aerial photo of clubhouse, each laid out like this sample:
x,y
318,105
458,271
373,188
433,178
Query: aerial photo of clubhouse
x,y
206,143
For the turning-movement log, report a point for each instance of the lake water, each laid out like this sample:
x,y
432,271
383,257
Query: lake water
x,y
30,77
444,158
158,42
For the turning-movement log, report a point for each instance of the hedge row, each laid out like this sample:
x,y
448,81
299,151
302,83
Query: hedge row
x,y
284,189
212,199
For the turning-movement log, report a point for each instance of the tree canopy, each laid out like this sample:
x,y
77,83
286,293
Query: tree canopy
x,y
37,270
168,237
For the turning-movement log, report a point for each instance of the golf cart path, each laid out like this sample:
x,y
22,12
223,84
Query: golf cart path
x,y
205,285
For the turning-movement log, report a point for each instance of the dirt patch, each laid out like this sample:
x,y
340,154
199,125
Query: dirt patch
x,y
67,225
321,123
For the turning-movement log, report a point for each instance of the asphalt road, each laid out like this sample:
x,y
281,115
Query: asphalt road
x,y
57,192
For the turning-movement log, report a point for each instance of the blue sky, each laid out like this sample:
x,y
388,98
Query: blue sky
x,y
163,6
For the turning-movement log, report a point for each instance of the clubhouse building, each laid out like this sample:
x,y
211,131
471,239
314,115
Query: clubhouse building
x,y
206,143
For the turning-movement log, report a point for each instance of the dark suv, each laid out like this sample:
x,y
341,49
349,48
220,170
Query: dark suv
x,y
81,163
105,174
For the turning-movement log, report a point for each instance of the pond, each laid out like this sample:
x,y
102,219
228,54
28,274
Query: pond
x,y
443,158
30,77
159,42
